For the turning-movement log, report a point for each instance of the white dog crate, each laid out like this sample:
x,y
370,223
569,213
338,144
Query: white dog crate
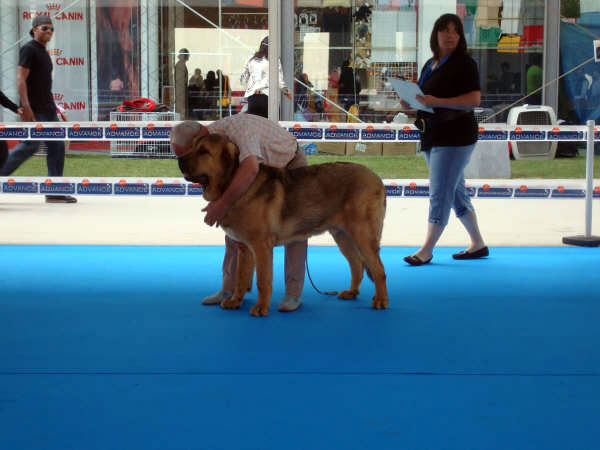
x,y
532,115
146,148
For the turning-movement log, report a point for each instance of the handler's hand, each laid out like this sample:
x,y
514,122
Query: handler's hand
x,y
215,211
27,115
428,101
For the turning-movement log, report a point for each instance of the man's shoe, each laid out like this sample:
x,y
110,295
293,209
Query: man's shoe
x,y
481,253
60,199
216,298
289,304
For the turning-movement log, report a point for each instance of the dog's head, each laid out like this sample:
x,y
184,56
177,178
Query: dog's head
x,y
211,162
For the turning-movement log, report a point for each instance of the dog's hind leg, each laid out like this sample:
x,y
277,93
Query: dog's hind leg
x,y
243,278
368,245
263,258
352,254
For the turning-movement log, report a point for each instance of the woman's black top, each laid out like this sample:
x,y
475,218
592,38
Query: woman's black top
x,y
7,103
450,127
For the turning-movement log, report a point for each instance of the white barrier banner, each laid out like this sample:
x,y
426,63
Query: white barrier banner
x,y
68,51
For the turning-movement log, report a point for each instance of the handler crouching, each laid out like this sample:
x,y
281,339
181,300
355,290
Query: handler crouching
x,y
259,141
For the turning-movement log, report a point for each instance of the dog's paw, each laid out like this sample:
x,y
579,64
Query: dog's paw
x,y
231,303
379,302
259,310
348,294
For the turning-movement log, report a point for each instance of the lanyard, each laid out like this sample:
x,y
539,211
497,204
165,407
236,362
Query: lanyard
x,y
428,70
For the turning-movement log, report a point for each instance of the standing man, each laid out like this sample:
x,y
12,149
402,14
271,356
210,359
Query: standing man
x,y
260,141
34,84
181,84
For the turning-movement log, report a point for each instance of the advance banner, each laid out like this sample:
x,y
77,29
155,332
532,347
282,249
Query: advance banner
x,y
68,50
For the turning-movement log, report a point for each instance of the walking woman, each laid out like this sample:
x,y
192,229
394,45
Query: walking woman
x,y
450,82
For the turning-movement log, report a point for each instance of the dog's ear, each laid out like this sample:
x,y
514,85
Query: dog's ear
x,y
230,157
196,141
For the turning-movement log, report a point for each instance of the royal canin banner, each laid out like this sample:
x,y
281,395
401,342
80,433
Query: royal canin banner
x,y
68,50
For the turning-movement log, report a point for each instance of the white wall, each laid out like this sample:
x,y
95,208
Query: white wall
x,y
316,59
429,12
237,46
589,6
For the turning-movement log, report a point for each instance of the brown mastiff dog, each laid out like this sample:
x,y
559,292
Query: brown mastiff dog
x,y
286,205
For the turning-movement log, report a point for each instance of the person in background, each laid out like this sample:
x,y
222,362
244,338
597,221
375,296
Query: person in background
x,y
34,84
348,87
256,76
181,84
301,95
7,103
224,92
196,80
210,82
534,77
260,141
506,78
450,83
195,87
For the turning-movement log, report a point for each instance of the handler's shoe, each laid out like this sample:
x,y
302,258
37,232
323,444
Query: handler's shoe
x,y
289,304
216,298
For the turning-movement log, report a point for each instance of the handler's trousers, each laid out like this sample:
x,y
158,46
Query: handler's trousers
x,y
295,253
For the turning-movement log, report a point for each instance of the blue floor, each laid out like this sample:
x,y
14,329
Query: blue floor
x,y
109,348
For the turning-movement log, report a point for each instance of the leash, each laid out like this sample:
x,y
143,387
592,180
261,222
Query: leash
x,y
313,284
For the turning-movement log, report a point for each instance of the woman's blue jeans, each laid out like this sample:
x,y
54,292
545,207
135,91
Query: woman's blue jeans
x,y
55,158
447,182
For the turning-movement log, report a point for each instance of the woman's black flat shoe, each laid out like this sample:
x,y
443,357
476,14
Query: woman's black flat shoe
x,y
481,253
415,261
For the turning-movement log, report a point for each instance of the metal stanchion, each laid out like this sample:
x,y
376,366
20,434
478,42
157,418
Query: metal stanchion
x,y
587,240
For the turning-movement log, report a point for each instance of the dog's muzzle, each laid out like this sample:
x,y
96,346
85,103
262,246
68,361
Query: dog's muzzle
x,y
203,179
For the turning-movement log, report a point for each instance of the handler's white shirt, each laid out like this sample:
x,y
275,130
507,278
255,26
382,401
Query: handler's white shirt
x,y
255,135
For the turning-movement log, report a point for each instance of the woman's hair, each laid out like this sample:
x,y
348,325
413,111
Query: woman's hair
x,y
440,25
263,49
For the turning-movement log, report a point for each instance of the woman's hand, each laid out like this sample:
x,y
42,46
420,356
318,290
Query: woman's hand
x,y
429,101
404,104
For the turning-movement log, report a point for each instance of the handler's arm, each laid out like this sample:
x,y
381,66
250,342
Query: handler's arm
x,y
466,101
240,183
22,75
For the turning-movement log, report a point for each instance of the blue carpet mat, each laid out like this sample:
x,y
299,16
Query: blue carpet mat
x,y
109,347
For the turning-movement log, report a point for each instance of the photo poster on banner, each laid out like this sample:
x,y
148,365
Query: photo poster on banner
x,y
118,53
70,74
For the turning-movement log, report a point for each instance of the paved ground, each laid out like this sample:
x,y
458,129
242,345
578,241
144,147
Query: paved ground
x,y
26,219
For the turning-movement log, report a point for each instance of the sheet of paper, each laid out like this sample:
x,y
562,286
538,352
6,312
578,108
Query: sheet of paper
x,y
408,91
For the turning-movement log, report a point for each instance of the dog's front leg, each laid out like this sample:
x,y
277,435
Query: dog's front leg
x,y
263,257
243,277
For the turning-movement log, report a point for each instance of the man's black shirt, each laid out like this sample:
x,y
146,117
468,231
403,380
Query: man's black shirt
x,y
35,57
